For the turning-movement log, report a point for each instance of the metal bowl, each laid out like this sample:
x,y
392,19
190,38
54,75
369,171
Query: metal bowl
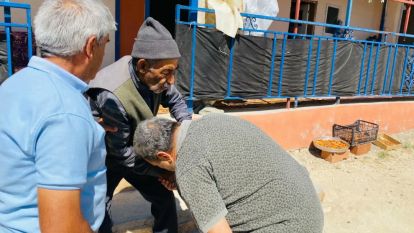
x,y
329,149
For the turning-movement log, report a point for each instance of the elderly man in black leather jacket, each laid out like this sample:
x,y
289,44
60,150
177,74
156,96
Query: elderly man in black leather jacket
x,y
126,93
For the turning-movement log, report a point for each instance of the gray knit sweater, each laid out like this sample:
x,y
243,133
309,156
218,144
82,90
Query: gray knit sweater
x,y
227,167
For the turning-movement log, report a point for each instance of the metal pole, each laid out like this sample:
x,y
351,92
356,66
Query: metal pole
x,y
407,18
193,60
192,16
297,11
348,13
7,19
29,33
118,31
147,8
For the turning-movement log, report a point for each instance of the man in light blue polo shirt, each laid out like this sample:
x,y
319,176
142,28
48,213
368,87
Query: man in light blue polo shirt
x,y
52,153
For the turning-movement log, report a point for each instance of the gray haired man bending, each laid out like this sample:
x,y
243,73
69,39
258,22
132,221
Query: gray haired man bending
x,y
232,176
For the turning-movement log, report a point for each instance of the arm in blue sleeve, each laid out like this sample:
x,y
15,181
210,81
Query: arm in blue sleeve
x,y
176,103
118,144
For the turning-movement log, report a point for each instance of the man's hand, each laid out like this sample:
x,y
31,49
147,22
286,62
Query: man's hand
x,y
168,181
222,226
106,127
60,211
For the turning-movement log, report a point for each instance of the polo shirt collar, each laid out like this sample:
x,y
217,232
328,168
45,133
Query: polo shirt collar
x,y
49,67
182,133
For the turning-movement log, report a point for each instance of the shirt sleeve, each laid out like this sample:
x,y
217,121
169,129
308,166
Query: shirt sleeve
x,y
198,189
118,144
176,104
63,148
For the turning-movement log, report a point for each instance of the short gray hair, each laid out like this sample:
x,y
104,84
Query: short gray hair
x,y
62,27
152,136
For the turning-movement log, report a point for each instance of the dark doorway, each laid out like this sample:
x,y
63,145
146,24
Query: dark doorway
x,y
331,18
164,12
410,29
307,12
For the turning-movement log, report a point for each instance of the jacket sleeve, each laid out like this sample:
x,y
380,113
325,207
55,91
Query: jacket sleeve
x,y
120,153
176,104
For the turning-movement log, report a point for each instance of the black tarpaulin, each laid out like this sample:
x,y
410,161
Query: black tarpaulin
x,y
252,56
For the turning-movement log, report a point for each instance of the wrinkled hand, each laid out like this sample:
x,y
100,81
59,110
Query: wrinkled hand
x,y
168,181
196,116
107,128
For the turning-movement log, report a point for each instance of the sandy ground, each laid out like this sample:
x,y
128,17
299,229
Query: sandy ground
x,y
368,193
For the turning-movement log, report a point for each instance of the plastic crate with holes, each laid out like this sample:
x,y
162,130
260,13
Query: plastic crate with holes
x,y
360,132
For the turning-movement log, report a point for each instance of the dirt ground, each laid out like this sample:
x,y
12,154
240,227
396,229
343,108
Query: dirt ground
x,y
368,193
371,193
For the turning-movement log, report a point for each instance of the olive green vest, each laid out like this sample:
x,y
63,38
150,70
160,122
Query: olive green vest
x,y
117,79
133,103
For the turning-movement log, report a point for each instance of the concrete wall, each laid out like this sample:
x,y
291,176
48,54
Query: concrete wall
x,y
296,128
284,12
19,16
364,15
393,18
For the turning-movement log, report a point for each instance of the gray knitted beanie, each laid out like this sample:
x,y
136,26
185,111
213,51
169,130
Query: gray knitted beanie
x,y
154,41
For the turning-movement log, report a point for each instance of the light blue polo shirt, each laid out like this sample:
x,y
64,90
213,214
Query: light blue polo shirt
x,y
48,139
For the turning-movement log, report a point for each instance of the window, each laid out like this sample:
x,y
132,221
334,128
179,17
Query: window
x,y
331,18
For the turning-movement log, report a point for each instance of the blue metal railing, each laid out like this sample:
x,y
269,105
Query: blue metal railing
x,y
365,79
7,24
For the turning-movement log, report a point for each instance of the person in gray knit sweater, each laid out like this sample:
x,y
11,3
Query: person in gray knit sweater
x,y
233,177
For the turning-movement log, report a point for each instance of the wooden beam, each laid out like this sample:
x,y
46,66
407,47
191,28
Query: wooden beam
x,y
297,11
407,18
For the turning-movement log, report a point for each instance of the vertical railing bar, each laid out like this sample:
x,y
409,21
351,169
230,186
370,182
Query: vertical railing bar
x,y
374,75
279,92
404,69
7,19
193,54
393,70
29,33
361,71
272,65
332,67
315,76
368,69
177,13
308,67
410,84
230,68
386,70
